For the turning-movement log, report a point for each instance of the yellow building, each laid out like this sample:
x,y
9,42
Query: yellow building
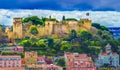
x,y
30,58
51,28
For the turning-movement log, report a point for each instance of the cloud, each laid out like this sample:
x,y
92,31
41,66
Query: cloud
x,y
107,18
99,5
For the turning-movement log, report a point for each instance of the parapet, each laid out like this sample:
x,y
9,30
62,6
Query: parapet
x,y
17,19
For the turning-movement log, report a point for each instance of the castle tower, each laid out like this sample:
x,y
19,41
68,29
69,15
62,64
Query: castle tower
x,y
87,23
17,28
49,27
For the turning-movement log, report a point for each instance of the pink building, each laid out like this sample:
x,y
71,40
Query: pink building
x,y
10,61
43,67
75,61
41,60
19,49
53,67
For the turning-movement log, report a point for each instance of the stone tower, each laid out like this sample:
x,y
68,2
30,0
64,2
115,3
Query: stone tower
x,y
49,27
87,23
17,28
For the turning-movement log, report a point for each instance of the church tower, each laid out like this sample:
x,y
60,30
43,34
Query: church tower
x,y
17,28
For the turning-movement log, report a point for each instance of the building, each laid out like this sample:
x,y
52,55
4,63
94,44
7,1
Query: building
x,y
30,58
108,57
34,62
75,61
43,67
19,49
41,60
10,61
15,49
51,29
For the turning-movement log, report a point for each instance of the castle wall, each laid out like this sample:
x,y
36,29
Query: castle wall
x,y
51,28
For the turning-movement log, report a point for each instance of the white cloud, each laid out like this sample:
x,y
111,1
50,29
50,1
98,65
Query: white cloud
x,y
107,18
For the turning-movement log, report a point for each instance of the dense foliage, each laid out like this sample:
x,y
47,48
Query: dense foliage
x,y
80,41
98,26
68,19
34,19
33,30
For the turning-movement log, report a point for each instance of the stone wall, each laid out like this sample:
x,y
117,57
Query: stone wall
x,y
51,28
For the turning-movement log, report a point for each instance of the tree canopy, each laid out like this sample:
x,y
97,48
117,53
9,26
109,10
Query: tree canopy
x,y
72,34
68,19
33,30
34,19
98,26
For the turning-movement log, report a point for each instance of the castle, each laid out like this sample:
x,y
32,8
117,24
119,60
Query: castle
x,y
50,29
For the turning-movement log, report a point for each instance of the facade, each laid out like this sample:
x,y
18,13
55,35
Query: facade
x,y
41,60
75,61
15,49
30,58
108,57
51,28
34,62
43,67
10,61
19,49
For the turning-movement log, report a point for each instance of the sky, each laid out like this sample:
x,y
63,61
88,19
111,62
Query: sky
x,y
105,12
63,5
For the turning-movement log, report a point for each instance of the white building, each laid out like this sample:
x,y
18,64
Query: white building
x,y
107,57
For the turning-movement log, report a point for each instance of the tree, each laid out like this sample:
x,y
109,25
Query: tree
x,y
69,19
65,47
26,43
34,19
63,18
42,45
72,34
33,30
119,40
98,26
85,35
114,45
57,45
61,62
50,42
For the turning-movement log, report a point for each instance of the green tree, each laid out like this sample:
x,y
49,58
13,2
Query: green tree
x,y
72,34
65,47
119,40
69,19
114,45
57,45
26,43
34,19
98,26
63,18
61,62
50,42
42,45
85,35
33,30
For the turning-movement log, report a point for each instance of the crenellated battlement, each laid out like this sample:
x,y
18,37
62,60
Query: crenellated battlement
x,y
52,28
